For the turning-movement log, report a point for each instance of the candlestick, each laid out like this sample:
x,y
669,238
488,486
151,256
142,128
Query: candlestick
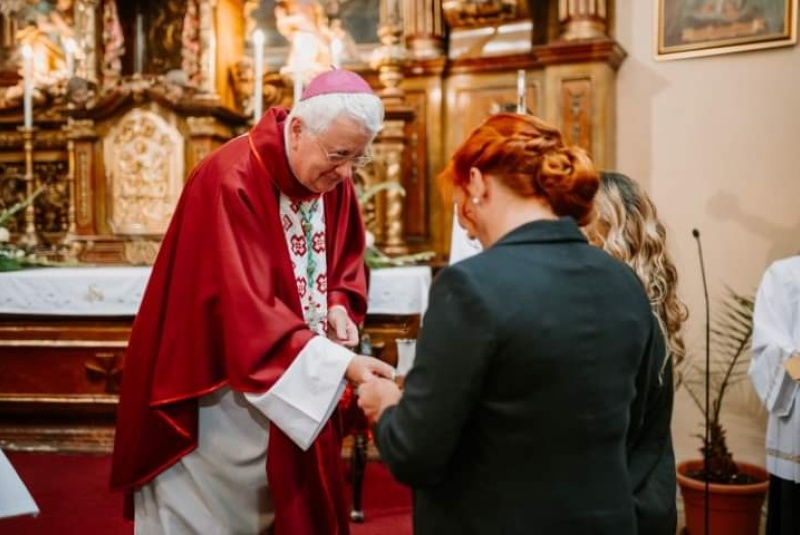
x,y
29,239
521,108
27,71
258,77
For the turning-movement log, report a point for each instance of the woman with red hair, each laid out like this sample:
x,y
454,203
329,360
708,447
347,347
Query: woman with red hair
x,y
514,417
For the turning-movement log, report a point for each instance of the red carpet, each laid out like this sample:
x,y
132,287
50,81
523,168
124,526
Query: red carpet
x,y
73,496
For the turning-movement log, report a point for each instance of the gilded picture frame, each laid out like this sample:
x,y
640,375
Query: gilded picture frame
x,y
692,28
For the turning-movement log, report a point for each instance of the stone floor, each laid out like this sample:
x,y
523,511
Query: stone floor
x,y
743,418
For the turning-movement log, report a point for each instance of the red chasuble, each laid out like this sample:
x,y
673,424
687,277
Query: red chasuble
x,y
222,308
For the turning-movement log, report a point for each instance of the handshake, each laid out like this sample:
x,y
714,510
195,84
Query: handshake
x,y
362,369
373,379
375,386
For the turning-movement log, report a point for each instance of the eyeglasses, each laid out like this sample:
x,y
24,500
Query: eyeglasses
x,y
339,158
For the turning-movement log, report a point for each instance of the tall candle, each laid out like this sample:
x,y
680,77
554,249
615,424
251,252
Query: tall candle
x,y
298,87
27,72
258,76
336,52
69,48
138,59
521,108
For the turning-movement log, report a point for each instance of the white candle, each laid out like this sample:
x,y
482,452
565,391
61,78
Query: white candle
x,y
27,99
521,92
69,48
298,88
336,52
258,76
138,58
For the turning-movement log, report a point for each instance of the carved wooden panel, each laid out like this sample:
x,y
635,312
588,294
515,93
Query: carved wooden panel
x,y
52,204
50,207
12,191
59,377
84,187
475,97
576,112
144,163
416,165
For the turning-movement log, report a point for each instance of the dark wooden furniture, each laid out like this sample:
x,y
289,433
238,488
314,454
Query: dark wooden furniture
x,y
59,377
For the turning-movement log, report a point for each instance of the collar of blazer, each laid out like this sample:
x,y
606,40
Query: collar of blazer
x,y
563,229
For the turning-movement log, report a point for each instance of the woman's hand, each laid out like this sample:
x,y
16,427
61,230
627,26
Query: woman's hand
x,y
377,395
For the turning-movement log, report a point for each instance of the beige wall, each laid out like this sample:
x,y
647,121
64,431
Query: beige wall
x,y
716,142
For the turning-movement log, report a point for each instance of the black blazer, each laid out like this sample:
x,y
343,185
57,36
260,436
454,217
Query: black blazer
x,y
515,416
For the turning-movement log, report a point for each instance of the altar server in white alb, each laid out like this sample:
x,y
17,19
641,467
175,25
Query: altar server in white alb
x,y
776,356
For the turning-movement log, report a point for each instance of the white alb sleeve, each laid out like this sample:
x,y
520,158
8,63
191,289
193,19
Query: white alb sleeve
x,y
307,393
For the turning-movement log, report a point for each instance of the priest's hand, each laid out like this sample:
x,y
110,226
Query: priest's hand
x,y
376,396
341,328
363,369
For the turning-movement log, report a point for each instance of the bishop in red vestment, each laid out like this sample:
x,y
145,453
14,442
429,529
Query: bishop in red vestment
x,y
237,356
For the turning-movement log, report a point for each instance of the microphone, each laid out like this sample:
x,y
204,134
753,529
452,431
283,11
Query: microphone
x,y
706,449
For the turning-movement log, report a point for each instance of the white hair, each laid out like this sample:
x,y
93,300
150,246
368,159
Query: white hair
x,y
317,113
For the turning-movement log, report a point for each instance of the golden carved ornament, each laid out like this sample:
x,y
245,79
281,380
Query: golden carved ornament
x,y
140,252
473,13
144,164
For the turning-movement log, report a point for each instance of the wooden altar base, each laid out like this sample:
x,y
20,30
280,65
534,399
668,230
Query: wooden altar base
x,y
60,377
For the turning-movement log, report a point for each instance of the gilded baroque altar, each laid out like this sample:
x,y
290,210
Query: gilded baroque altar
x,y
129,96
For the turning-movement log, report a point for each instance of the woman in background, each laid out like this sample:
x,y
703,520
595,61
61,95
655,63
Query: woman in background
x,y
626,225
515,416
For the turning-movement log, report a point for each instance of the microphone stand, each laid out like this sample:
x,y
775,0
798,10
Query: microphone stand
x,y
706,452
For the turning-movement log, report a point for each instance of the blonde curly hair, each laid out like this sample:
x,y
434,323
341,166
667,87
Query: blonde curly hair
x,y
626,225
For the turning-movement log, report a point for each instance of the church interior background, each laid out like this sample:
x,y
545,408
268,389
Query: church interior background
x,y
107,105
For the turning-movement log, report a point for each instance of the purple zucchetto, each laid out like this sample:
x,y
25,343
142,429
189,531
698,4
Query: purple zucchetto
x,y
336,81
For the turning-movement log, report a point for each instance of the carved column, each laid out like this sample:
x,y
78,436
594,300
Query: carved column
x,y
389,151
424,30
86,31
391,56
208,47
82,137
583,19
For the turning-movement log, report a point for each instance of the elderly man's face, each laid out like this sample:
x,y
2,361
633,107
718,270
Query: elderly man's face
x,y
321,162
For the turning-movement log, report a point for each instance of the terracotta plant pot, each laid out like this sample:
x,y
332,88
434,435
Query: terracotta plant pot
x,y
733,509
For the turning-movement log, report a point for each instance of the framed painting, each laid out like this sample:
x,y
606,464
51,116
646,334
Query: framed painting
x,y
357,18
691,28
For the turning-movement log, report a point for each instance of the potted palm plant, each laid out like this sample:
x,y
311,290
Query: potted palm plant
x,y
736,489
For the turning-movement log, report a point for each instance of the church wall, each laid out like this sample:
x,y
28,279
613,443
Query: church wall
x,y
714,141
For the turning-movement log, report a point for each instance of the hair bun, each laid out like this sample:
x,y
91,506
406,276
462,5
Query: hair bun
x,y
569,181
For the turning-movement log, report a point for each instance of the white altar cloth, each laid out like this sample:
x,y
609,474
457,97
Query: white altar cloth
x,y
117,291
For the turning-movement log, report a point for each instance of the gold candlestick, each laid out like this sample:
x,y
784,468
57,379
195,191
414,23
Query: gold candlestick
x,y
69,245
29,239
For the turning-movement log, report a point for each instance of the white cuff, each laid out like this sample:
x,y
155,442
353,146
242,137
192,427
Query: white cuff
x,y
774,385
307,393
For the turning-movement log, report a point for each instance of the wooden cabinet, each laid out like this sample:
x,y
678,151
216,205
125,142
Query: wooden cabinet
x,y
59,377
